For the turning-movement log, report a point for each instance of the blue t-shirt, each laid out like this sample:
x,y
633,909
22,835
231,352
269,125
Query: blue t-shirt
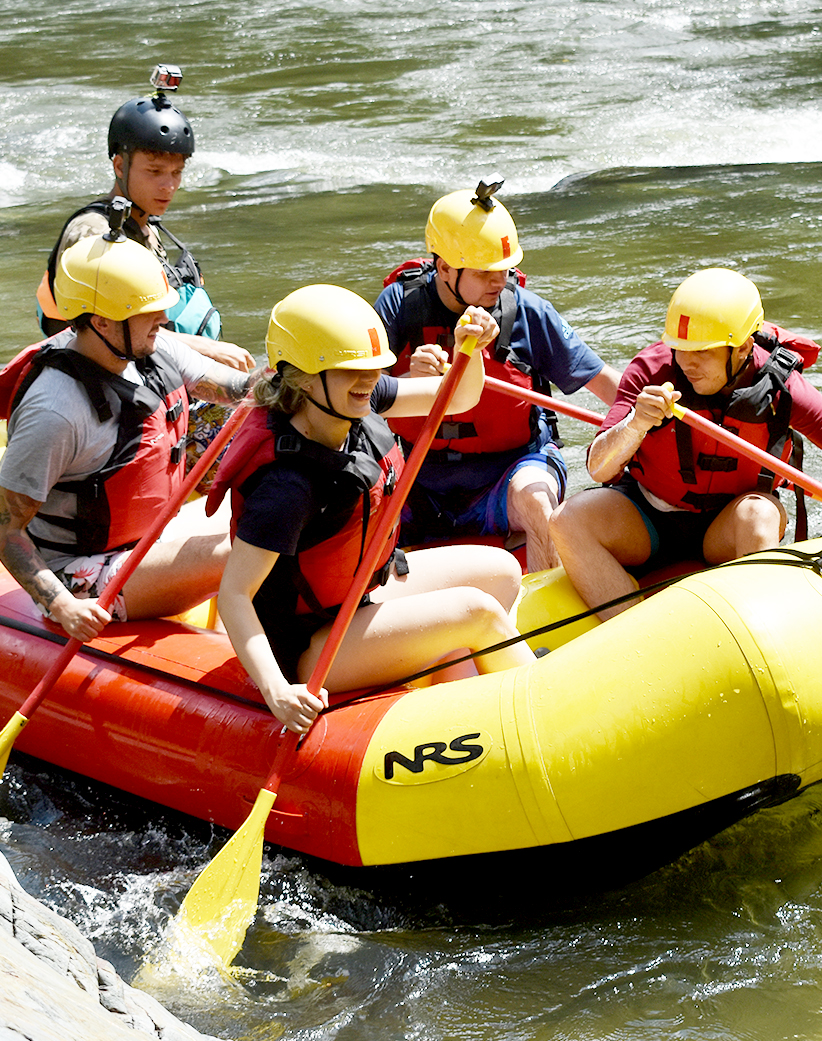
x,y
540,338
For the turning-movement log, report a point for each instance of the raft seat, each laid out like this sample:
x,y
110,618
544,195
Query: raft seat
x,y
204,615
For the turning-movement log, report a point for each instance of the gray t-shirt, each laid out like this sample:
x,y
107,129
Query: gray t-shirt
x,y
93,223
54,435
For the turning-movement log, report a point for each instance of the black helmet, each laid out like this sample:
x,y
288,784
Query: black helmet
x,y
151,123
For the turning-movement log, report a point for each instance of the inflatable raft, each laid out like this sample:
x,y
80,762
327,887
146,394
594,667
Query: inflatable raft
x,y
649,732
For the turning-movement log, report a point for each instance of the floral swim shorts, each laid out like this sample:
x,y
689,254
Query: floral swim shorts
x,y
88,576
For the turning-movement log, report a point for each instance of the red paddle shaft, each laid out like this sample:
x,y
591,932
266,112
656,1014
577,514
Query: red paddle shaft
x,y
542,399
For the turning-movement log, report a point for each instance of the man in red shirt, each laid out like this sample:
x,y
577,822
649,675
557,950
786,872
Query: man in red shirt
x,y
671,493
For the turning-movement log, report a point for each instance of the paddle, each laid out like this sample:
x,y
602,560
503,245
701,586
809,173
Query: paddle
x,y
743,447
116,583
542,399
222,902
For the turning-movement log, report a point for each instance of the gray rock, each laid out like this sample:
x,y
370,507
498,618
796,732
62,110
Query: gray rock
x,y
53,987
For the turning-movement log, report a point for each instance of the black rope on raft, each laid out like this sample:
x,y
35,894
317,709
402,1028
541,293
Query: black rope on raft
x,y
800,558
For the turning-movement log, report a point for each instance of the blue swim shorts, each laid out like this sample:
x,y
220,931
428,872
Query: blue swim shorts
x,y
454,504
490,511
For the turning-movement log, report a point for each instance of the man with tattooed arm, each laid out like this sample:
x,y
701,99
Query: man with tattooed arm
x,y
96,447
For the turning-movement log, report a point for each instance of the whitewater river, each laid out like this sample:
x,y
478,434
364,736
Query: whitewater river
x,y
639,141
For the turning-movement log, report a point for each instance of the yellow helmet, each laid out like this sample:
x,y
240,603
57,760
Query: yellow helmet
x,y
327,327
713,308
469,231
114,279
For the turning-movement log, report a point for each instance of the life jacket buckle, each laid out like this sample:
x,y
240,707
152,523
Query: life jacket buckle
x,y
288,443
174,413
178,452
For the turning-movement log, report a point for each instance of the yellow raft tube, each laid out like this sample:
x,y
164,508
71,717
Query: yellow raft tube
x,y
677,717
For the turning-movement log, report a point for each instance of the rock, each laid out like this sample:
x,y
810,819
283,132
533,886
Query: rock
x,y
53,987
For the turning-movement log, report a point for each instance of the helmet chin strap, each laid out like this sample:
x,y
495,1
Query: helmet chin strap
x,y
128,354
328,409
455,292
732,376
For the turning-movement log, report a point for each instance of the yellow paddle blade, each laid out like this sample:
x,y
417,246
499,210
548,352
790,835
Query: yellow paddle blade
x,y
222,902
8,735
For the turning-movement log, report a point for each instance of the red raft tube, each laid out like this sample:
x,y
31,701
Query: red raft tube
x,y
676,718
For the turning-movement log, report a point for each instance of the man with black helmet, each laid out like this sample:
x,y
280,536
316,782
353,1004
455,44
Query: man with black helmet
x,y
498,468
149,141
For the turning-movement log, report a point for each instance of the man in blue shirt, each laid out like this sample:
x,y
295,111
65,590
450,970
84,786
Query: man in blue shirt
x,y
498,468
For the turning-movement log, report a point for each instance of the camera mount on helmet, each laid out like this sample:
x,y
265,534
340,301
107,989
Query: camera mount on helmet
x,y
152,123
485,189
118,212
166,77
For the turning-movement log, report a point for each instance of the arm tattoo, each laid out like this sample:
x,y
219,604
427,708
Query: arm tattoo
x,y
222,385
25,564
19,554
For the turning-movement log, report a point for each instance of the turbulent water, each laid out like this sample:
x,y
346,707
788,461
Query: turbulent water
x,y
639,141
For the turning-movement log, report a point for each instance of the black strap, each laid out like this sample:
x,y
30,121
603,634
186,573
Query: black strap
x,y
416,319
796,460
201,327
455,431
90,525
185,269
723,464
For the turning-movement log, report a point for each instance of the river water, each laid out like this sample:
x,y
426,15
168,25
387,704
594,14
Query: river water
x,y
639,140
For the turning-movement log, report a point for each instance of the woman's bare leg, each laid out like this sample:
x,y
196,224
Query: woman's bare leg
x,y
455,596
489,568
386,642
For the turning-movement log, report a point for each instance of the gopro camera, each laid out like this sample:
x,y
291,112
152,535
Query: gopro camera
x,y
166,77
485,189
118,211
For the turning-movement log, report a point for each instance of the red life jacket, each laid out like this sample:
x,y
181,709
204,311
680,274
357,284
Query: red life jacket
x,y
146,466
322,571
693,471
493,425
13,373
